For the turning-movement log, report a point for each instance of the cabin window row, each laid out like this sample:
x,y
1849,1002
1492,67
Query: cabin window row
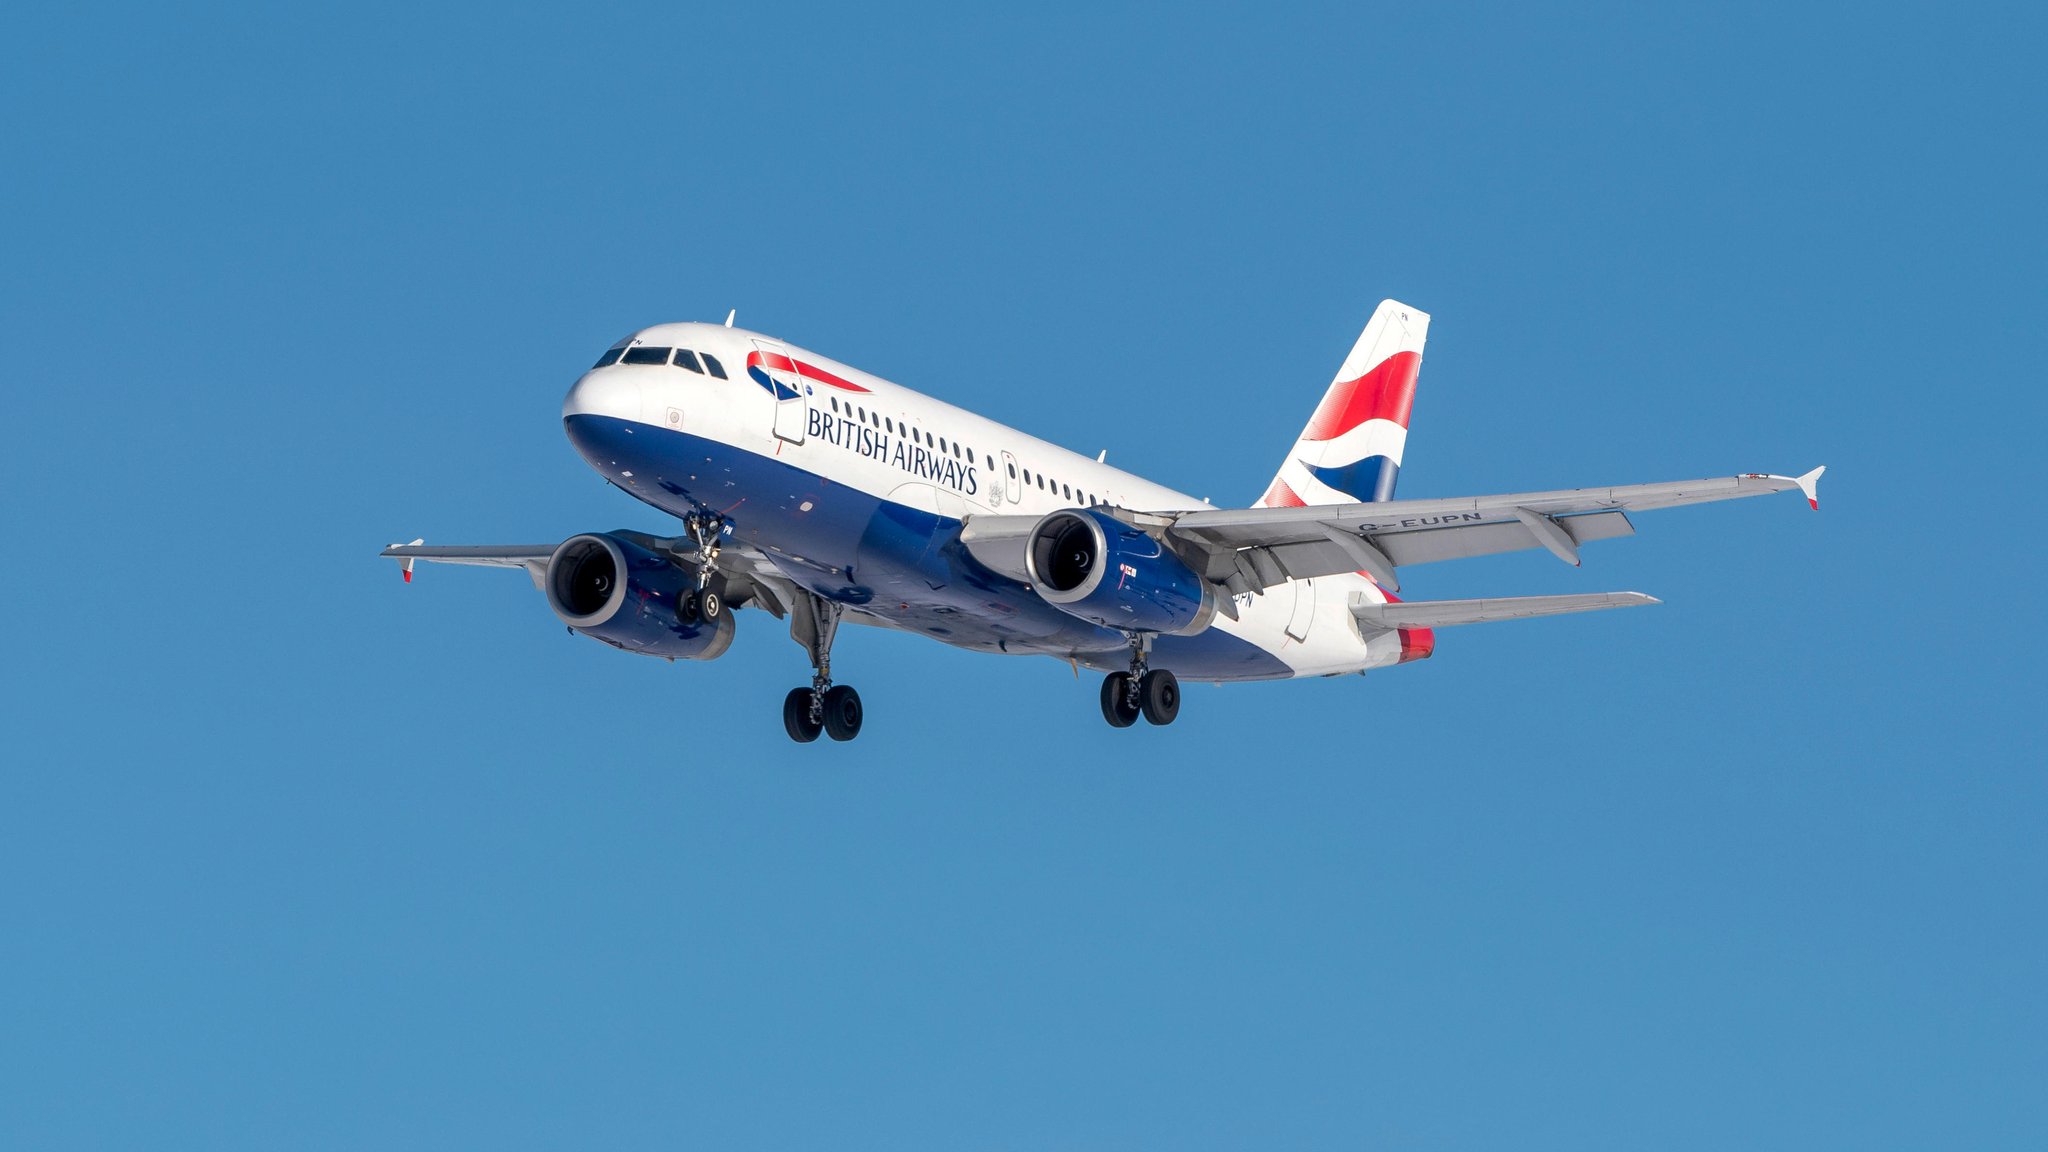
x,y
891,425
959,451
1063,491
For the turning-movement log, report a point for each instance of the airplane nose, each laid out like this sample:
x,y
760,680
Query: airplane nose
x,y
604,392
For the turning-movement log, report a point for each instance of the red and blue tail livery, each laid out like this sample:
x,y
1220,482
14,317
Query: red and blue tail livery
x,y
815,494
1351,449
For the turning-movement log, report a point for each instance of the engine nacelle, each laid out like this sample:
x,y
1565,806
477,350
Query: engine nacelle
x,y
1089,564
618,592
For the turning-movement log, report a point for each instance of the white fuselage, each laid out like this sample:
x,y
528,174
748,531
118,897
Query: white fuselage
x,y
685,439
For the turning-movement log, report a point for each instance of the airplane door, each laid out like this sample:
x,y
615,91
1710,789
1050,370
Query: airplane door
x,y
777,372
1011,483
1304,608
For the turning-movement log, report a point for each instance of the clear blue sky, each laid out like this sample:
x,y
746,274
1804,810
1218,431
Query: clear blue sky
x,y
292,855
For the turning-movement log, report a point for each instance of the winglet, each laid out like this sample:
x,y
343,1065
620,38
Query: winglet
x,y
405,562
1810,484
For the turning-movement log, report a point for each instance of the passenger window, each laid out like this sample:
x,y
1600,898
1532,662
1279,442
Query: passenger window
x,y
1013,471
688,359
1041,481
835,402
1027,475
647,355
1066,492
716,368
942,443
609,358
889,424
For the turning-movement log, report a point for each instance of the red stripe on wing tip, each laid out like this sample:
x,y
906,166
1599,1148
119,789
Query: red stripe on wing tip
x,y
407,573
1386,392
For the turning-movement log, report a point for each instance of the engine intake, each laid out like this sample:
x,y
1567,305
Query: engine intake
x,y
1089,564
613,590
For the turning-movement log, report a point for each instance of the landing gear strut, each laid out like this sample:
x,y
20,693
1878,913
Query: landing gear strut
x,y
823,707
1152,693
707,603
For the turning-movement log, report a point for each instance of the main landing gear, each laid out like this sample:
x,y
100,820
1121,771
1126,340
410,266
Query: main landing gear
x,y
1153,694
823,707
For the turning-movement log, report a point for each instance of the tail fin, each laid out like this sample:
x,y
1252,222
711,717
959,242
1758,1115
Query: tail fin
x,y
1351,449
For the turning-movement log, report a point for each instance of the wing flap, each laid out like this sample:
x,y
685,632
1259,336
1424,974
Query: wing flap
x,y
1446,613
1427,545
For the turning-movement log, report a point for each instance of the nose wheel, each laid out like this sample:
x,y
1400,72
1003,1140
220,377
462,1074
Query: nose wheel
x,y
707,603
831,709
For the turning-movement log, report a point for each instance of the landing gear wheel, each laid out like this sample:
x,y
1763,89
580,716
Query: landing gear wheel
x,y
796,716
842,713
688,611
710,605
1159,696
1117,707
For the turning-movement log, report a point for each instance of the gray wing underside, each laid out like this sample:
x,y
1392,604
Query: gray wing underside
x,y
1244,550
748,573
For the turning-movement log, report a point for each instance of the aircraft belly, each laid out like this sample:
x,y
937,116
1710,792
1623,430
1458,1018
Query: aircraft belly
x,y
902,565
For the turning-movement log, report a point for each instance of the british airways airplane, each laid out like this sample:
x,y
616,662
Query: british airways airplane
x,y
817,493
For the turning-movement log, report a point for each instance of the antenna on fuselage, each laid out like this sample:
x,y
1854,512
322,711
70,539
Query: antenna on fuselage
x,y
729,316
1102,455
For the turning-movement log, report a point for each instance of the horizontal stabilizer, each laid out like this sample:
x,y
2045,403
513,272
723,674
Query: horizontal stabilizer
x,y
1444,613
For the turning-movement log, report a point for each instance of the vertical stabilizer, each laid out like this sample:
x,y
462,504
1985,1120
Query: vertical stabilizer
x,y
1351,449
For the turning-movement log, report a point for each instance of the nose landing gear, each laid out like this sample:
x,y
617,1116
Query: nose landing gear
x,y
823,707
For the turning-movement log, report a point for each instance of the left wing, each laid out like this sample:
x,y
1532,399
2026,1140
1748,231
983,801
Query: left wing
x,y
1251,549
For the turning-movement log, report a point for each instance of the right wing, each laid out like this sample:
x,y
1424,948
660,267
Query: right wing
x,y
532,557
749,575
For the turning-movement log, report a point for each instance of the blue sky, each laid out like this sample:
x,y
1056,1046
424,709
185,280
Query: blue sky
x,y
293,855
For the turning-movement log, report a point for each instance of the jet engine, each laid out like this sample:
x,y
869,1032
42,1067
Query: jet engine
x,y
1089,564
613,590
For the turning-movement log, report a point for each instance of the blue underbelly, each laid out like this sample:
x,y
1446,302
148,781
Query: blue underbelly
x,y
904,565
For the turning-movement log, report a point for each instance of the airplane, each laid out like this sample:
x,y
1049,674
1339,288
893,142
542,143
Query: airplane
x,y
819,494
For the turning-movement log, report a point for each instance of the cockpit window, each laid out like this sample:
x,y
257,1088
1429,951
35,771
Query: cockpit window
x,y
609,358
688,359
647,355
717,369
